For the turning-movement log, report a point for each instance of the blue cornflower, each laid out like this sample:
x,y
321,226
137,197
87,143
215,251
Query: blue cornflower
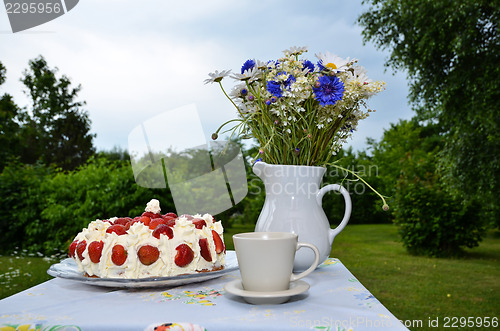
x,y
308,65
289,80
274,88
330,91
249,64
320,65
271,64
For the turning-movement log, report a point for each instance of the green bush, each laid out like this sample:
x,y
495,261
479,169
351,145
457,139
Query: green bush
x,y
431,221
43,209
21,203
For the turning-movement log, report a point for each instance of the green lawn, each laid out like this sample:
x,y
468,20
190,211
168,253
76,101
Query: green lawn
x,y
19,273
413,288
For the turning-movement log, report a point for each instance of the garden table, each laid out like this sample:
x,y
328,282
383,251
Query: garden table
x,y
336,300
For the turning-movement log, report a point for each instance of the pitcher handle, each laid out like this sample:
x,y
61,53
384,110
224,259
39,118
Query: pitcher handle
x,y
348,206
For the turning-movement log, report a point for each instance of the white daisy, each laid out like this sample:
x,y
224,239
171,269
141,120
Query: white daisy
x,y
249,75
333,62
294,50
238,91
217,76
360,75
261,64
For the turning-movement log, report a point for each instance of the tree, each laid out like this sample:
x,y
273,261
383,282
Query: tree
x,y
398,142
56,129
9,127
451,51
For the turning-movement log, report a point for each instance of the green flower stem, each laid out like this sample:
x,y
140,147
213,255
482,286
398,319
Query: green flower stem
x,y
227,96
225,123
361,179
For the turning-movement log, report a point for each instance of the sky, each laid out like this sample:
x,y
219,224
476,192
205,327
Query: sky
x,y
136,60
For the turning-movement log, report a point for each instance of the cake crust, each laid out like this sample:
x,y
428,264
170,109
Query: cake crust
x,y
197,271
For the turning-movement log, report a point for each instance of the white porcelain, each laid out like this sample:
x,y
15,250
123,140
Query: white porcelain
x,y
68,269
266,260
293,204
262,298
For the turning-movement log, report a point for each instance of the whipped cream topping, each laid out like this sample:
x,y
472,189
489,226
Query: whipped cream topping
x,y
138,235
153,206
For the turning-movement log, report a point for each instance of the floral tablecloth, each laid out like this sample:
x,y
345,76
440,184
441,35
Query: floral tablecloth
x,y
336,300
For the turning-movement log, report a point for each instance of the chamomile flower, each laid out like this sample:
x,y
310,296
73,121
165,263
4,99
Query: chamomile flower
x,y
332,62
217,76
294,50
250,75
359,76
238,91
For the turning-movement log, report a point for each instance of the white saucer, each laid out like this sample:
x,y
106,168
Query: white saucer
x,y
260,298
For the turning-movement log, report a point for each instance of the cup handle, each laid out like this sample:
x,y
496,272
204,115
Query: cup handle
x,y
295,277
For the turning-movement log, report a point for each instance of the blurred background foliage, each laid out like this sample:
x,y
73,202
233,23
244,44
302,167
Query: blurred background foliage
x,y
43,207
46,199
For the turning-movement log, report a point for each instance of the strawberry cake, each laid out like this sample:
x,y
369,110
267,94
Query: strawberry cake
x,y
150,245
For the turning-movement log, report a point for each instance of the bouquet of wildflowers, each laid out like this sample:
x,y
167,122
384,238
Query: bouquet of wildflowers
x,y
300,112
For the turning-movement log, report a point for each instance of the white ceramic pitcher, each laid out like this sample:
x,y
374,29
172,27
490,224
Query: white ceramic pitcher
x,y
293,204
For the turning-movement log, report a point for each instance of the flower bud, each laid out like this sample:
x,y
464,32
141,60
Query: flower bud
x,y
385,207
215,136
258,160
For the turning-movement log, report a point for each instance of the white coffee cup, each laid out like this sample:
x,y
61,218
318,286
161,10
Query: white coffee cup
x,y
265,260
